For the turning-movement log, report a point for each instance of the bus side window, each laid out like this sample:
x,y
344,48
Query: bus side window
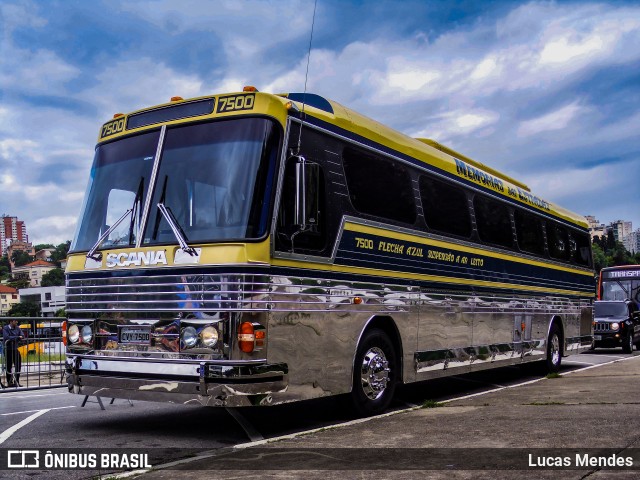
x,y
379,186
493,221
445,206
558,242
529,233
582,253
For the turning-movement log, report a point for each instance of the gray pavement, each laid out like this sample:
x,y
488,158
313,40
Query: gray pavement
x,y
591,408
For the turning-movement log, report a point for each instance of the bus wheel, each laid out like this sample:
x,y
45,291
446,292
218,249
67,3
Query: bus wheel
x,y
375,373
554,356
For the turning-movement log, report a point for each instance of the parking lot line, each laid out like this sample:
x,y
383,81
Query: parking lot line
x,y
11,430
8,396
29,411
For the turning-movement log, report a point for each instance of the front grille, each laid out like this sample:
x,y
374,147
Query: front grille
x,y
602,327
167,293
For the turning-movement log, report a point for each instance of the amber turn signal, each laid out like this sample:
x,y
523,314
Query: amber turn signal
x,y
246,337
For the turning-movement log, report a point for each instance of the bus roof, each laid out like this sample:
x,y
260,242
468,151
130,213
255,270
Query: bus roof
x,y
427,151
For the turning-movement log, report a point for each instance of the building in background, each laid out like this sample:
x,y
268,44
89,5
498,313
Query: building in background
x,y
620,229
8,297
632,241
33,271
50,299
11,230
596,229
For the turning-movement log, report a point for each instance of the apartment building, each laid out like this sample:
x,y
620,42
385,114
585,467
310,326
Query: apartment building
x,y
11,230
620,229
632,241
596,229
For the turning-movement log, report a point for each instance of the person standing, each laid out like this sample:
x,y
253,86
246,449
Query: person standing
x,y
11,335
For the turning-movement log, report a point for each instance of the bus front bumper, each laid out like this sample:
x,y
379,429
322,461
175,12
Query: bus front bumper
x,y
207,382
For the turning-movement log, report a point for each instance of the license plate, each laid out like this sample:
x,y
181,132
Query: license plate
x,y
135,335
597,337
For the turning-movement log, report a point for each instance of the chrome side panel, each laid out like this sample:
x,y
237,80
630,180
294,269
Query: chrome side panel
x,y
500,330
315,325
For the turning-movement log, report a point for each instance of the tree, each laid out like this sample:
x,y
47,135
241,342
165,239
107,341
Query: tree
x,y
619,255
53,278
24,309
611,241
62,250
21,258
61,312
42,246
599,258
19,283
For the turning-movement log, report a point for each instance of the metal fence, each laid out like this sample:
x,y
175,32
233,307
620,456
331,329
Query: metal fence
x,y
37,360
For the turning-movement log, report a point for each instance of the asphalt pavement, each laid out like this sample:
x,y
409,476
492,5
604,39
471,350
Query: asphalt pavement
x,y
576,426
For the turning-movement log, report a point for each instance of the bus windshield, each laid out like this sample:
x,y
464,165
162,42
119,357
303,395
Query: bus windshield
x,y
610,309
215,178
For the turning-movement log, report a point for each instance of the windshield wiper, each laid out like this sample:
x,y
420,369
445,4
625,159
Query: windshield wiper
x,y
133,211
176,229
98,256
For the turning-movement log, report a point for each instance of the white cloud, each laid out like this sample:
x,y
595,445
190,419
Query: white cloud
x,y
138,83
468,87
51,229
447,125
35,72
556,120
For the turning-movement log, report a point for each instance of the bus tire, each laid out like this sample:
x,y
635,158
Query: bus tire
x,y
375,373
554,354
627,345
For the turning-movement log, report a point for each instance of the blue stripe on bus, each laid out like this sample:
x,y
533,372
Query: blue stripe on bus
x,y
416,258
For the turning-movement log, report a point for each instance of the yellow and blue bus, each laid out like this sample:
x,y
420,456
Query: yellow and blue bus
x,y
252,248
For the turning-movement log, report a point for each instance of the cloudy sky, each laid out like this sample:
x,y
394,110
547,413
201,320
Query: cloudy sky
x,y
548,92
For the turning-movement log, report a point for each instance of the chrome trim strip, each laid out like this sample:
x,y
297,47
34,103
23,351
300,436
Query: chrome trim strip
x,y
446,359
225,363
151,187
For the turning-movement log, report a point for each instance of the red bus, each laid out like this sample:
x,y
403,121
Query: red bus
x,y
620,283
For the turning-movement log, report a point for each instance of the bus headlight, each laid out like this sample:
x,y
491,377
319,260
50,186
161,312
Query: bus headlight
x,y
189,337
615,326
209,336
86,334
73,334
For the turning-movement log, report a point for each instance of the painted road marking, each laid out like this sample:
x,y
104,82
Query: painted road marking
x,y
29,411
11,430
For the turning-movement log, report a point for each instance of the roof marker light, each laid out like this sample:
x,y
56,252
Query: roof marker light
x,y
176,99
249,88
117,115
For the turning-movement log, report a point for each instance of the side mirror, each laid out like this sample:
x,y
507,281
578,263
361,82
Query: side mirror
x,y
307,202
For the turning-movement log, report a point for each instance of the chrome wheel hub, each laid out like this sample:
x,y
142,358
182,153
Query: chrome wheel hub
x,y
375,373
